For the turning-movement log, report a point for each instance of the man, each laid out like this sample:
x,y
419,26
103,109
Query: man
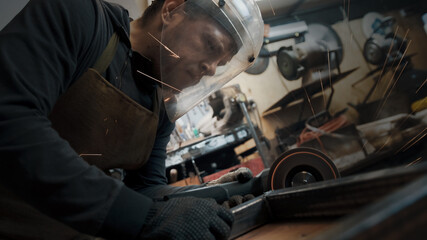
x,y
81,92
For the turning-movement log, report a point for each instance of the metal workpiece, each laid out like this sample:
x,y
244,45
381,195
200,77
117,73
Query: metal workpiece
x,y
340,197
249,215
401,215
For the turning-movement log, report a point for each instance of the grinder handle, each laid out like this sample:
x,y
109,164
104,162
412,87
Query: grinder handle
x,y
223,192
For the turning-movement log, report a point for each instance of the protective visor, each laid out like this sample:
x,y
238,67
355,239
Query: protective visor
x,y
205,44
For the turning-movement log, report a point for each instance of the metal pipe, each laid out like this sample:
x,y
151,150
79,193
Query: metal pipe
x,y
241,99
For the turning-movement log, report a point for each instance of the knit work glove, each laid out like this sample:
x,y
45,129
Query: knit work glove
x,y
187,218
237,200
242,175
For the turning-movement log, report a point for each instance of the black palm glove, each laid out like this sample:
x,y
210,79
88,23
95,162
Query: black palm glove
x,y
187,218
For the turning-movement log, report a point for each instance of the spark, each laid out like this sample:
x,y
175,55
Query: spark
x,y
406,119
364,144
414,162
329,68
90,155
391,89
348,11
272,9
409,142
311,106
400,61
385,143
398,77
281,121
400,47
343,4
173,54
323,91
398,127
391,80
346,19
404,38
416,92
414,142
283,82
159,81
385,62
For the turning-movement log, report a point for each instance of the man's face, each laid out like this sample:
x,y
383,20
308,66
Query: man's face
x,y
200,45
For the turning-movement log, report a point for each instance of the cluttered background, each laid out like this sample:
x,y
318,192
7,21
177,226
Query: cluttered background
x,y
344,77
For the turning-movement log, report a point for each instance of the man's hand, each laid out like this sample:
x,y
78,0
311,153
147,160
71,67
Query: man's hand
x,y
242,175
187,218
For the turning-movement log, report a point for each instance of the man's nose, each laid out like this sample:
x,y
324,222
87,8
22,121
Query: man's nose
x,y
208,68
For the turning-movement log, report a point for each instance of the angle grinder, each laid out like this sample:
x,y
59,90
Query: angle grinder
x,y
300,166
296,167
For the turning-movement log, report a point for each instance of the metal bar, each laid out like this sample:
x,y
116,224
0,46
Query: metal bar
x,y
248,216
286,31
401,215
341,196
241,99
301,110
330,80
332,198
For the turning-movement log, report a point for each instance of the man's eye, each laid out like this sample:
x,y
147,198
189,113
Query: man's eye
x,y
211,46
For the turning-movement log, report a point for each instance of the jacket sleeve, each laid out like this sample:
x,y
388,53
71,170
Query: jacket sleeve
x,y
41,52
151,180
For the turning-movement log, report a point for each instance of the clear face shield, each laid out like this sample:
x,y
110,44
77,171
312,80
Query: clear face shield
x,y
205,44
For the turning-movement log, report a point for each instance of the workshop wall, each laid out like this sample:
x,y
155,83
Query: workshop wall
x,y
269,87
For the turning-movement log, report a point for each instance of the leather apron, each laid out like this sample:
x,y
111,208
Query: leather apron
x,y
104,126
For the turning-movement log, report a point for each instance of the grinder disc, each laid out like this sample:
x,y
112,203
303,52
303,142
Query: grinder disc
x,y
300,166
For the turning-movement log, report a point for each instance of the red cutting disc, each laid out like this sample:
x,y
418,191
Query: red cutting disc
x,y
300,166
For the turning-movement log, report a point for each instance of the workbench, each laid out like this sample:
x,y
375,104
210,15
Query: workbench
x,y
288,230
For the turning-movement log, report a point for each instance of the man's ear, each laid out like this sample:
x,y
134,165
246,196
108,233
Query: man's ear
x,y
168,7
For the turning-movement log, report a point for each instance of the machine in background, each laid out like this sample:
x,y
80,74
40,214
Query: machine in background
x,y
230,122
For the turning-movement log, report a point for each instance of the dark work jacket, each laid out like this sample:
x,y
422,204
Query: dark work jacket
x,y
45,48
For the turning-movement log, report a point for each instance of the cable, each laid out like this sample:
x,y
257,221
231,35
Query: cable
x,y
310,132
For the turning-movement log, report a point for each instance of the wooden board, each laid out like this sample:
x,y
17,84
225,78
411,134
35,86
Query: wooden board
x,y
288,230
194,180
